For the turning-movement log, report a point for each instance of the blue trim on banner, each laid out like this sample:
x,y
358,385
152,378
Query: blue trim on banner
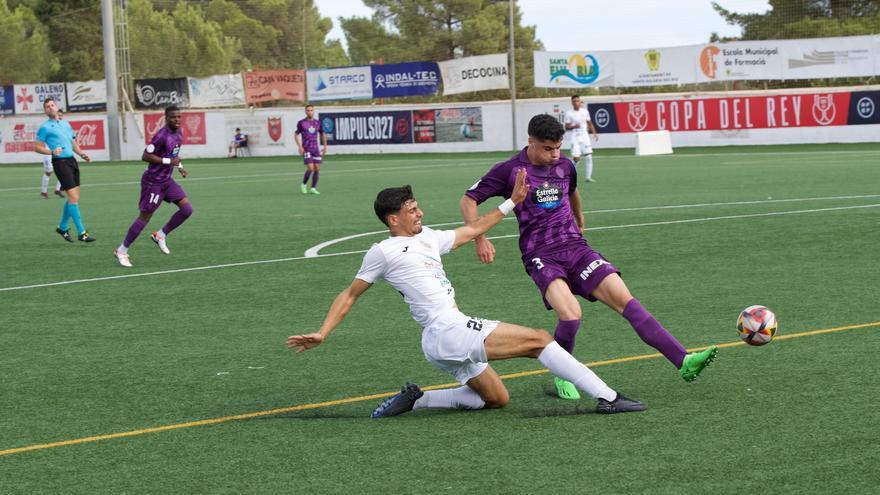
x,y
7,100
382,127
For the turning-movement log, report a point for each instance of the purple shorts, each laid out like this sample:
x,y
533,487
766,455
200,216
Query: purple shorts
x,y
581,268
312,156
153,194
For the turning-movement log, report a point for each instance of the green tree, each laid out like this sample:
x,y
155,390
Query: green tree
x,y
792,19
25,56
178,43
75,35
413,30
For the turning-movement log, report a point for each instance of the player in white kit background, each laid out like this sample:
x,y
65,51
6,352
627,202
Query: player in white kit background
x,y
461,345
577,125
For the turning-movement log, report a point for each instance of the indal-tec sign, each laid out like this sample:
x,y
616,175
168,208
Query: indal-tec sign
x,y
391,127
412,78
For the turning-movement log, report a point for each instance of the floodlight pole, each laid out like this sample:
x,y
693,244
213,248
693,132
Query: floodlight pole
x,y
112,82
512,78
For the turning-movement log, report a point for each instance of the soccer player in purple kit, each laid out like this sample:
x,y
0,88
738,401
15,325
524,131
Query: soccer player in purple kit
x,y
558,258
157,185
309,128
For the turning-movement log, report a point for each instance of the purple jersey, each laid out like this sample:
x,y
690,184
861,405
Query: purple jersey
x,y
165,144
309,129
546,222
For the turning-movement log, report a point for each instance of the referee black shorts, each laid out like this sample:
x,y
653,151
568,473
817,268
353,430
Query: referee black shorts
x,y
67,171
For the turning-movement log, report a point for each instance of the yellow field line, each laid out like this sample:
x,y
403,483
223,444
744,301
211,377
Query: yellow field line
x,y
318,405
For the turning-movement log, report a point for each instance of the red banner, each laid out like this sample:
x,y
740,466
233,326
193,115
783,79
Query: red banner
x,y
192,124
89,134
268,85
745,112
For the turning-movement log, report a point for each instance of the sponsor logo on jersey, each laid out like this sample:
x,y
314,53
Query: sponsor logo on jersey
x,y
547,196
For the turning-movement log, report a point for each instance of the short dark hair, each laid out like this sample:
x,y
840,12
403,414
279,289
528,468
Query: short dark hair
x,y
391,200
172,108
47,100
546,127
575,96
237,129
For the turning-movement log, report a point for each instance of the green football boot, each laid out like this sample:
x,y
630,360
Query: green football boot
x,y
304,188
694,363
566,390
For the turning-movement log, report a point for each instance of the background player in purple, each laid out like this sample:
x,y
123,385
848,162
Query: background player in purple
x,y
309,128
556,255
157,185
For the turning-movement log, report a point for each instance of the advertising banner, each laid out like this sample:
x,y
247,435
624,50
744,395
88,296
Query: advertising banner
x,y
216,91
741,60
448,125
160,93
852,56
268,85
864,108
382,127
192,125
17,136
262,132
339,84
573,69
89,133
87,96
734,113
655,66
29,97
406,79
7,100
481,73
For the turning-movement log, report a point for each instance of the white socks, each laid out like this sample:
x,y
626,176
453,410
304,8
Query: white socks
x,y
565,366
455,398
588,166
45,183
122,249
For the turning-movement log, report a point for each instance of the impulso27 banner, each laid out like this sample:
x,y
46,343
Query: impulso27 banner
x,y
379,127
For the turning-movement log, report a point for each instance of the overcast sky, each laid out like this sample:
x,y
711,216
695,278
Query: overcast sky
x,y
591,25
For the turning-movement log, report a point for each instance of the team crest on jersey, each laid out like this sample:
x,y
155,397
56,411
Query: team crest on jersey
x,y
547,196
275,128
175,151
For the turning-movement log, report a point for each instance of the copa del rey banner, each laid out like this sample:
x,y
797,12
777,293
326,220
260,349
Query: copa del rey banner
x,y
268,85
480,73
216,91
739,112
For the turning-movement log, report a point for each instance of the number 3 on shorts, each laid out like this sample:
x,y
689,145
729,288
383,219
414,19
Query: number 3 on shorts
x,y
537,262
154,198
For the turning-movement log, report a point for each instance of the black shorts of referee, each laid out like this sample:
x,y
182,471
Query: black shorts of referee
x,y
67,171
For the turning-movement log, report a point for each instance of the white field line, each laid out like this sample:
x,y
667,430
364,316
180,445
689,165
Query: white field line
x,y
312,252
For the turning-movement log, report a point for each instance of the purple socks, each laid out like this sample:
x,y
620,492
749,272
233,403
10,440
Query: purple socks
x,y
178,218
652,332
306,176
565,333
134,231
315,178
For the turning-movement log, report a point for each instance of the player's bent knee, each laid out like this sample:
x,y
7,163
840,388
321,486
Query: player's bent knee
x,y
186,209
496,400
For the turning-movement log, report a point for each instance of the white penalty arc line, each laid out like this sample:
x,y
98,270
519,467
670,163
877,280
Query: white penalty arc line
x,y
297,258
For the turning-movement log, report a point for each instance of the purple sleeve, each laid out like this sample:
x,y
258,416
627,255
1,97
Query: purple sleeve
x,y
298,125
573,180
495,183
157,143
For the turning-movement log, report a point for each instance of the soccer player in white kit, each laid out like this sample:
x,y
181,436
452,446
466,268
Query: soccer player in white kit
x,y
458,344
47,171
577,123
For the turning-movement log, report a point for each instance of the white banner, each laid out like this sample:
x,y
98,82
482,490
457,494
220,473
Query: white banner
x,y
29,97
84,96
480,73
264,132
573,69
339,84
852,56
655,66
17,135
740,60
216,91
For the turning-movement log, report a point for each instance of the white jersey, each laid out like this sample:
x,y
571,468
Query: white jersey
x,y
412,266
580,116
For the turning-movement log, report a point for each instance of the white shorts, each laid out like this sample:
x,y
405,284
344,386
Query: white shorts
x,y
580,145
454,343
47,164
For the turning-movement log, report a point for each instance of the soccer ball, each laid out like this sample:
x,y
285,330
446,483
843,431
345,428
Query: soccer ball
x,y
756,325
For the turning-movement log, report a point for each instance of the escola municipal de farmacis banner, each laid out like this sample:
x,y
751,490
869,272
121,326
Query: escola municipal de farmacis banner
x,y
739,112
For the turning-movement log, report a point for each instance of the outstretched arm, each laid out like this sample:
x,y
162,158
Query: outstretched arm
x,y
485,249
340,307
480,226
